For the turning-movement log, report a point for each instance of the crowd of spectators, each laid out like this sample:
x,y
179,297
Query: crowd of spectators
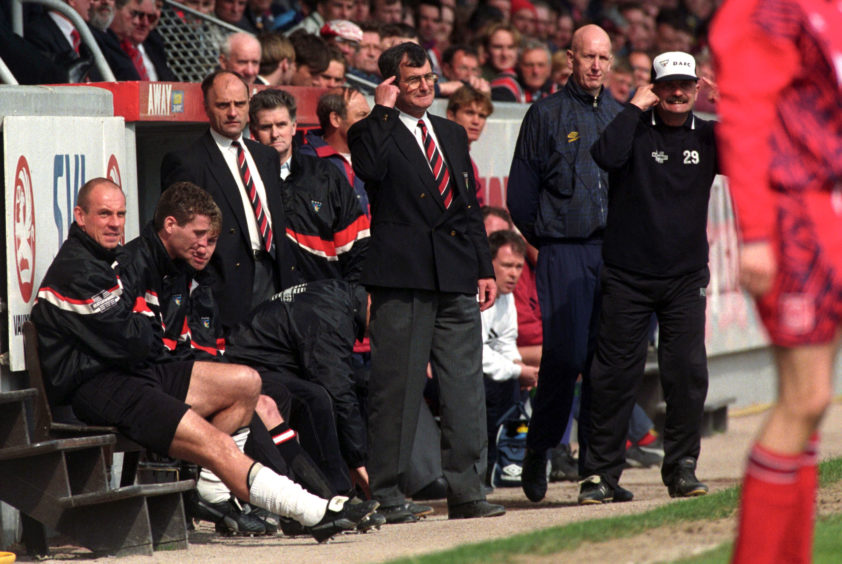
x,y
516,50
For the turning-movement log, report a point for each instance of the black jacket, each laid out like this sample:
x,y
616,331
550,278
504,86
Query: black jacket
x,y
327,228
309,330
161,286
660,179
417,243
84,317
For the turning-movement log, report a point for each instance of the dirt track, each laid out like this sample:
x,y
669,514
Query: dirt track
x,y
720,466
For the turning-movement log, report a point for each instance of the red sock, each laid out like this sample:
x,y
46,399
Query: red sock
x,y
649,438
769,498
798,548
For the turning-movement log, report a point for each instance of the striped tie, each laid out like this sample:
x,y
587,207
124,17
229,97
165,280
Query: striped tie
x,y
259,214
440,172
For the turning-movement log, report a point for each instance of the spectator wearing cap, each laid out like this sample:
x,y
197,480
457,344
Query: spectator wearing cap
x,y
345,36
655,260
241,54
524,17
326,10
277,60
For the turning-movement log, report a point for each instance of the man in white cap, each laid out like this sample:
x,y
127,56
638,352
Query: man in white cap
x,y
661,161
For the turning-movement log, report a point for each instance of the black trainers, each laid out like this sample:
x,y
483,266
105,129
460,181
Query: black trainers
x,y
341,516
373,521
270,520
641,457
533,478
563,465
684,482
407,512
593,491
228,516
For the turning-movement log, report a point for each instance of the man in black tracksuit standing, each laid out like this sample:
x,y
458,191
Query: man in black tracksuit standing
x,y
661,161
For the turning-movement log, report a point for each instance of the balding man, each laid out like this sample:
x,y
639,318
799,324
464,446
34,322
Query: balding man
x,y
241,54
558,199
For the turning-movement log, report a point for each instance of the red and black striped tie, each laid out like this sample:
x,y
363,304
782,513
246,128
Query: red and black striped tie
x,y
259,213
440,172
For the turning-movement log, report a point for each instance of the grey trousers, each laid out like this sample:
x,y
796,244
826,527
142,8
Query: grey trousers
x,y
408,329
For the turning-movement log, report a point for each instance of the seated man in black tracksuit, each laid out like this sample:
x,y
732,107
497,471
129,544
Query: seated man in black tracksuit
x,y
156,271
102,357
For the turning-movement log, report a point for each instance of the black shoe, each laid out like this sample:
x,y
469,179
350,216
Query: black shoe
x,y
639,457
563,465
373,521
474,509
270,520
227,516
684,482
437,489
406,512
292,528
534,475
341,516
594,491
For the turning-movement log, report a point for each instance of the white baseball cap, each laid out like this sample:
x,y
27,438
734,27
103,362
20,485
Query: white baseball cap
x,y
674,65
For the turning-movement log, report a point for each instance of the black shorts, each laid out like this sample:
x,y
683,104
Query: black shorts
x,y
146,405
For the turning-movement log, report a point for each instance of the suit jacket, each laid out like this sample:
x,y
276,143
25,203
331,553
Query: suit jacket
x,y
157,53
233,261
45,35
120,63
416,242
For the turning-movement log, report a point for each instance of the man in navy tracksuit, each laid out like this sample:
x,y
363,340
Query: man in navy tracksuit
x,y
558,198
661,161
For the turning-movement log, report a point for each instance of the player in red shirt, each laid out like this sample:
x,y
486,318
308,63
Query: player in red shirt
x,y
780,138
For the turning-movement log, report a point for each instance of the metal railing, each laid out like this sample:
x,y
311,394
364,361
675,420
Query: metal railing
x,y
78,23
192,40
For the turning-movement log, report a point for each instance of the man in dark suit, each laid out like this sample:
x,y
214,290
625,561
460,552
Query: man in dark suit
x,y
54,35
133,25
427,258
249,252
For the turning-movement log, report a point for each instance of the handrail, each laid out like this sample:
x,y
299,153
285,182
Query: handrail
x,y
6,76
80,25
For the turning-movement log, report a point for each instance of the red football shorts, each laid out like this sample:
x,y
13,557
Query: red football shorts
x,y
804,305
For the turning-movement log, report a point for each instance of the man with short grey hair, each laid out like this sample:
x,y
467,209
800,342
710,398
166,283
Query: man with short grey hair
x,y
241,54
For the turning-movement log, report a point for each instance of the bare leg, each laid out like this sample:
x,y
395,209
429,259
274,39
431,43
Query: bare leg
x,y
225,394
805,390
267,410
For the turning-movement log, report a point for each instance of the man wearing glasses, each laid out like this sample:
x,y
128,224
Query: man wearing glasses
x,y
133,21
427,259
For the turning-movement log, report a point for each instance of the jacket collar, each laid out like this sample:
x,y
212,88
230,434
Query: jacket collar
x,y
577,91
163,262
100,252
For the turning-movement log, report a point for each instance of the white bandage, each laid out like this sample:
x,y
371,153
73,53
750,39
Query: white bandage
x,y
280,495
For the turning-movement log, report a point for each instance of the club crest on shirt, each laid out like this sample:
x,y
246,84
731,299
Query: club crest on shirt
x,y
660,157
572,136
205,322
177,299
316,205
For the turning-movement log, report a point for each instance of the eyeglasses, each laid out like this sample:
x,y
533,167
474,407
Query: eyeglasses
x,y
151,18
414,82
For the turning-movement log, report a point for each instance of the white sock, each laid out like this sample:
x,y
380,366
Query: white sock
x,y
280,495
240,437
209,486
